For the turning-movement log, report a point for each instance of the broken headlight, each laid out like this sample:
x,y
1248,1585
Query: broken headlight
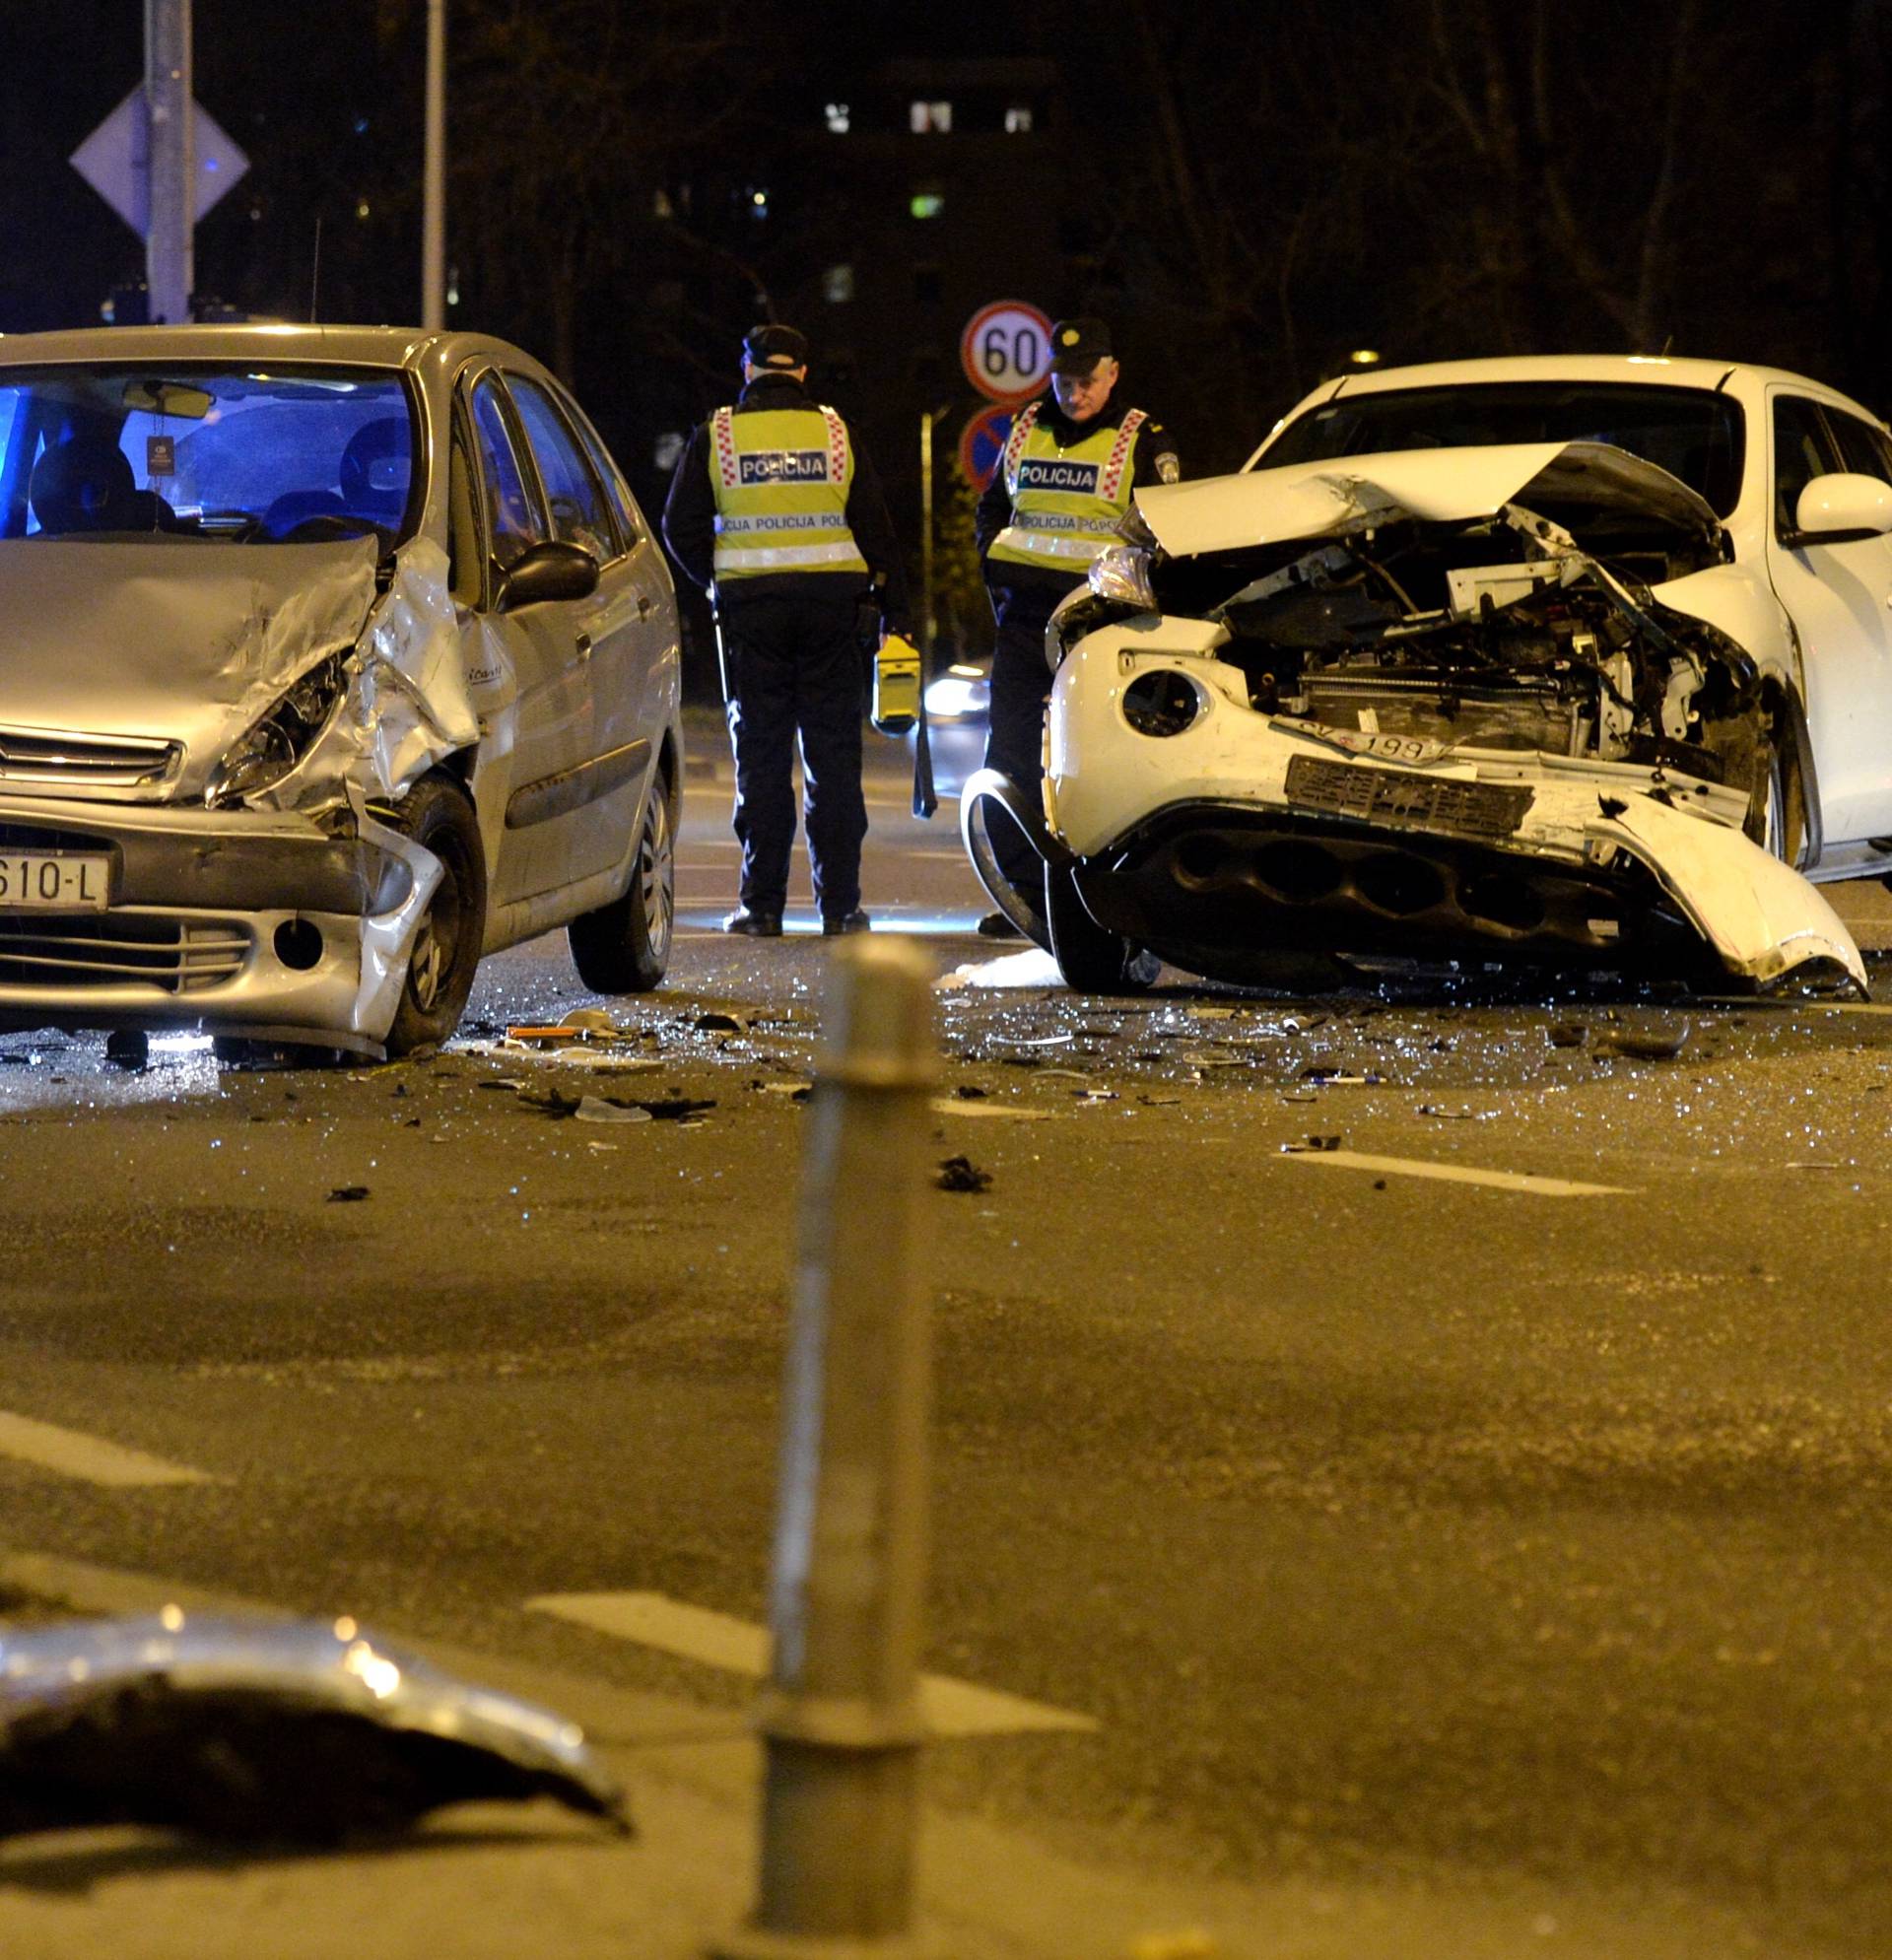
x,y
1122,572
276,742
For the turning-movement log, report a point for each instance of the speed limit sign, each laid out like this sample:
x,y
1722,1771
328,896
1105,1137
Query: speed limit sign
x,y
1006,351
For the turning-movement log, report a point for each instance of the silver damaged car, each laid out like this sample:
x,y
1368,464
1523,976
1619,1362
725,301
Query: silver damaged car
x,y
334,659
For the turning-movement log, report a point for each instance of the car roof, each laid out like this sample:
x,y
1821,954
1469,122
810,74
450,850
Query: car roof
x,y
349,346
1640,370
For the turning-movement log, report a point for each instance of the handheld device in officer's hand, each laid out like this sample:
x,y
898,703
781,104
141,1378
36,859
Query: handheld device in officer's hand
x,y
896,684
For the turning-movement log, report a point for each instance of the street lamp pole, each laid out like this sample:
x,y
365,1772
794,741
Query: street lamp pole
x,y
434,174
169,251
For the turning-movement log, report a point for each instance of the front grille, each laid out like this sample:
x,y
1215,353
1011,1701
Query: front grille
x,y
58,954
110,761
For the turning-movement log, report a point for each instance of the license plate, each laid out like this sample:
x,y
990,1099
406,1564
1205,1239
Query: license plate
x,y
54,880
1450,805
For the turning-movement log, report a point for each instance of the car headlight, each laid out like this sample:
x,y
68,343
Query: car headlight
x,y
1122,572
276,742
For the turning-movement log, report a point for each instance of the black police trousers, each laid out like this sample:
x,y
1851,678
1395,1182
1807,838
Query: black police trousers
x,y
1015,736
793,666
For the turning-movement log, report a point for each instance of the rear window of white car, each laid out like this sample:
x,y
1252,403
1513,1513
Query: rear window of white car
x,y
192,450
1691,433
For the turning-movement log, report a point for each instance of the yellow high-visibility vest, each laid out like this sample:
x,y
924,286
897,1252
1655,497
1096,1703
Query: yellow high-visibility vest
x,y
1067,502
780,477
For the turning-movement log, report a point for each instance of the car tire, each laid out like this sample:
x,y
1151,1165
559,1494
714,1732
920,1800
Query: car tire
x,y
1091,958
624,947
1777,814
445,952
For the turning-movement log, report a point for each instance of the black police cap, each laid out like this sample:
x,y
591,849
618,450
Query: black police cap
x,y
1078,345
772,346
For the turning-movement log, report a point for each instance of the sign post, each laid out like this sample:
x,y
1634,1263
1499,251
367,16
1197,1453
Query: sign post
x,y
159,161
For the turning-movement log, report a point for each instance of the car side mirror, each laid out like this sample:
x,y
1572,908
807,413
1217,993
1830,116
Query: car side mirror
x,y
1840,507
550,570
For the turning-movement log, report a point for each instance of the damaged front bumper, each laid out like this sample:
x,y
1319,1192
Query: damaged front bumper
x,y
251,922
1214,834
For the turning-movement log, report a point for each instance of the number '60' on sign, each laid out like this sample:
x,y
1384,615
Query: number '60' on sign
x,y
1006,351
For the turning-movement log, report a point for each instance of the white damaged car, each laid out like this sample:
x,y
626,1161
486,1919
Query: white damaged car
x,y
333,658
1583,662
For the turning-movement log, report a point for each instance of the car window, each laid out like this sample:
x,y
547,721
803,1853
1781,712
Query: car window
x,y
206,450
1694,434
624,507
515,520
1864,448
1802,450
573,495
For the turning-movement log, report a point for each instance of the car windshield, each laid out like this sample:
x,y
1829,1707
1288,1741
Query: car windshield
x,y
1691,433
189,450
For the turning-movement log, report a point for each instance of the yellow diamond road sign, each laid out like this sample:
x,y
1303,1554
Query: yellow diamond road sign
x,y
116,161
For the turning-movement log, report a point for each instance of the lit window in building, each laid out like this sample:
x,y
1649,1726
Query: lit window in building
x,y
930,118
926,204
835,115
1018,119
838,285
660,205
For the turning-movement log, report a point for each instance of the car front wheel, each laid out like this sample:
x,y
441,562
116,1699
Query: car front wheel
x,y
436,814
624,947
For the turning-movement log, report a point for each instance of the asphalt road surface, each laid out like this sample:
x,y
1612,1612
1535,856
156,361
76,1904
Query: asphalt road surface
x,y
1440,1433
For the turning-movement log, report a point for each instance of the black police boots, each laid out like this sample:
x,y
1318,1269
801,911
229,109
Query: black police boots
x,y
754,924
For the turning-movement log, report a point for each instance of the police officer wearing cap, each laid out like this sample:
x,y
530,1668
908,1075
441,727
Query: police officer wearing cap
x,y
778,514
1069,467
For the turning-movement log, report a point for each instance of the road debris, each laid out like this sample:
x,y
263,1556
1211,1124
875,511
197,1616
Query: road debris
x,y
961,1174
1313,1143
347,1194
951,1105
1643,1043
257,1731
597,1109
128,1048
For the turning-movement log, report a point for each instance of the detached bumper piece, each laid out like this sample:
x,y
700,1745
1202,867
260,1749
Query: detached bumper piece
x,y
259,1730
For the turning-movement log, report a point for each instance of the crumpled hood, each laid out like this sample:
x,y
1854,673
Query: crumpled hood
x,y
1571,481
171,639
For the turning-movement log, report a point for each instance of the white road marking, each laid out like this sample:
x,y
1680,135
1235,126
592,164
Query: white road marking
x,y
88,1457
1413,1167
739,1646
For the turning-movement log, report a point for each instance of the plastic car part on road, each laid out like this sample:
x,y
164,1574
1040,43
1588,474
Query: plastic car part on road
x,y
260,1730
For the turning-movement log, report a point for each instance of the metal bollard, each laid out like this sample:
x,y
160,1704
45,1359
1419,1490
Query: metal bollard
x,y
841,1714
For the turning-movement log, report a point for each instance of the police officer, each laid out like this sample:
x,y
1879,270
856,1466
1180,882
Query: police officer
x,y
1053,502
776,513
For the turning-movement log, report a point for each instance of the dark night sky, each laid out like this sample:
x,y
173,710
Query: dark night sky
x,y
1250,187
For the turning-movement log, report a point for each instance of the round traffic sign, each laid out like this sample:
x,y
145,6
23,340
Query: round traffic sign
x,y
1006,351
983,442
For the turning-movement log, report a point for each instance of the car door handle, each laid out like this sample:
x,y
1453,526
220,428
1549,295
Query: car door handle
x,y
584,646
643,605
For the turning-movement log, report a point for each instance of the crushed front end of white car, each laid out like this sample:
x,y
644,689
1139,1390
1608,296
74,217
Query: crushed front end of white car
x,y
1442,705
